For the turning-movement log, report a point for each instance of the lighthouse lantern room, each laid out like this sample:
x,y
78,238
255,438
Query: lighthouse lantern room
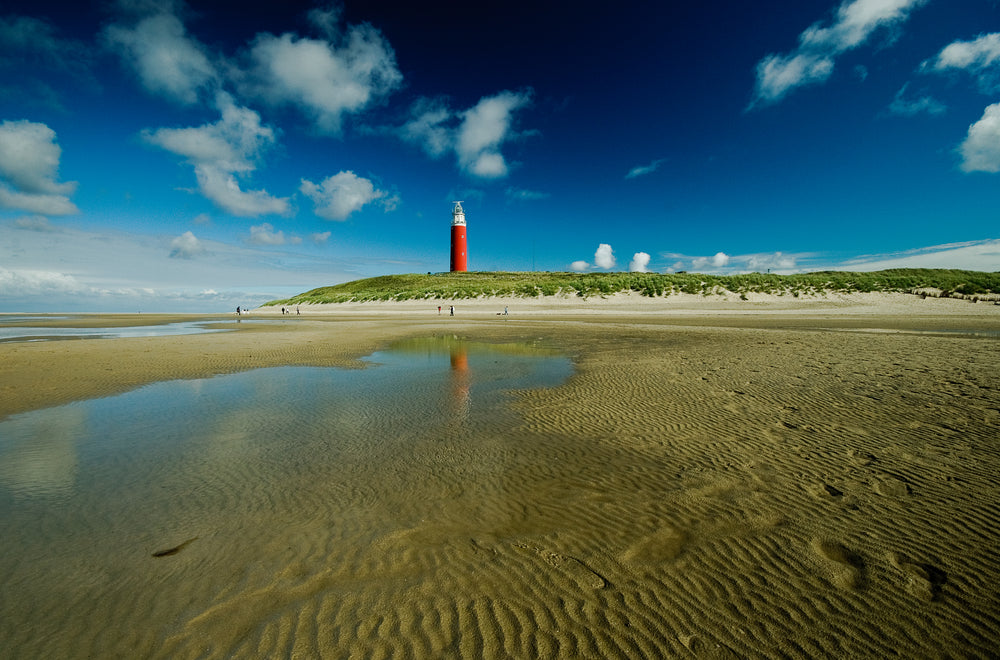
x,y
459,251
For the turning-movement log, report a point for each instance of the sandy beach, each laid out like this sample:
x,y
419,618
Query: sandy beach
x,y
718,478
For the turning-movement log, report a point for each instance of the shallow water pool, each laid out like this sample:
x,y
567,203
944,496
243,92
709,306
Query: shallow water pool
x,y
124,517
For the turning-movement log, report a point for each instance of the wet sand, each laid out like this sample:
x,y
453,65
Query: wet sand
x,y
800,478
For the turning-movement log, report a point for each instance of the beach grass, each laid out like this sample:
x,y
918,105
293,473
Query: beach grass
x,y
469,285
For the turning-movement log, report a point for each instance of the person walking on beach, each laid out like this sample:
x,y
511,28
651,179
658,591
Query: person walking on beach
x,y
237,310
452,310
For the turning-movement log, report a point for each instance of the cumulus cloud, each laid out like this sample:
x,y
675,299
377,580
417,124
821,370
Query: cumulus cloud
x,y
604,257
720,260
579,266
484,128
979,57
642,170
320,237
28,283
910,107
475,136
219,152
813,61
186,246
981,149
340,195
29,169
429,127
264,234
639,263
167,60
770,262
325,78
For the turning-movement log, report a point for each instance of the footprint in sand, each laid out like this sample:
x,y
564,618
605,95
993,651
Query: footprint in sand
x,y
571,567
845,566
922,580
892,487
664,545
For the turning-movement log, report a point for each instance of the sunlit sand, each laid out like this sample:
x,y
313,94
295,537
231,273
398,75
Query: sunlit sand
x,y
803,478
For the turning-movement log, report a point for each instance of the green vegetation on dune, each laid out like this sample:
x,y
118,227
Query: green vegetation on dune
x,y
456,286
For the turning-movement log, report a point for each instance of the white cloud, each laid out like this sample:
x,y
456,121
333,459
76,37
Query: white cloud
x,y
905,107
813,61
264,234
642,170
474,135
28,283
326,79
222,188
604,257
980,53
776,262
36,203
979,58
522,195
639,263
971,255
722,262
579,266
483,129
110,270
779,74
981,149
29,168
186,246
319,238
340,195
34,223
219,152
167,60
429,128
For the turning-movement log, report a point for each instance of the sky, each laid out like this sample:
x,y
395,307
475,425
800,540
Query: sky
x,y
171,156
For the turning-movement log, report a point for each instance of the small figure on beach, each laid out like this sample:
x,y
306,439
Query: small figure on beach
x,y
439,310
452,310
505,310
297,312
237,310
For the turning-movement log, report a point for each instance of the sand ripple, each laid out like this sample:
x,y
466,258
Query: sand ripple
x,y
705,493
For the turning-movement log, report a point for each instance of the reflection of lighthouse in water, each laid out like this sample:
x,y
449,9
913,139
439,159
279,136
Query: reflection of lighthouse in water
x,y
461,381
459,249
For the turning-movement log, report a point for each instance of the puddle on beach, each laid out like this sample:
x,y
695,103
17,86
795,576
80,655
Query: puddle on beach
x,y
124,517
19,333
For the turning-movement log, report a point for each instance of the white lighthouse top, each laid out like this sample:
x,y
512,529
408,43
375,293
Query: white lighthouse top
x,y
458,214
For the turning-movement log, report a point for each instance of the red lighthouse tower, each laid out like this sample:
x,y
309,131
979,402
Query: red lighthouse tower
x,y
459,249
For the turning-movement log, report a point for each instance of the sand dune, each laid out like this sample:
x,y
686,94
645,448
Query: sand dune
x,y
716,485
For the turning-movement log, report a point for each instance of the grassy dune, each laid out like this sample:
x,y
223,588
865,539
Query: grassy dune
x,y
451,286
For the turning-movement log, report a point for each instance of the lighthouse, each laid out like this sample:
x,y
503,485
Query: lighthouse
x,y
459,250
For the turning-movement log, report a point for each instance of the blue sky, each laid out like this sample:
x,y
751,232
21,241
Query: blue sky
x,y
163,156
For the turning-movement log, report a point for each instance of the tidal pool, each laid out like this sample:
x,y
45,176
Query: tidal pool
x,y
48,333
127,521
